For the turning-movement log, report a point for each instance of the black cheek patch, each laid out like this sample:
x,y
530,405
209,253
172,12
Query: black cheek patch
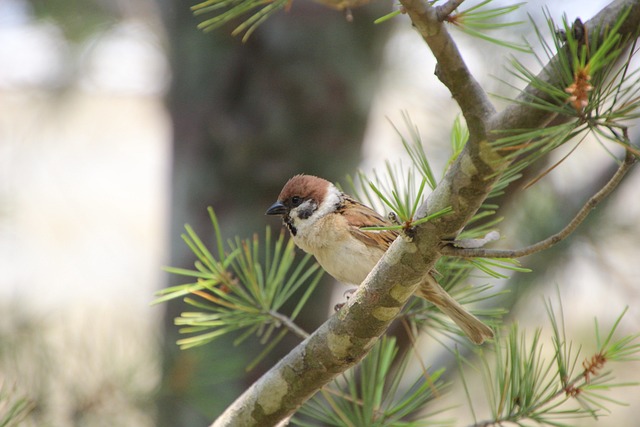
x,y
306,210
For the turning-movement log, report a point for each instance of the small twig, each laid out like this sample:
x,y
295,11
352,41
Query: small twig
x,y
442,12
628,162
288,323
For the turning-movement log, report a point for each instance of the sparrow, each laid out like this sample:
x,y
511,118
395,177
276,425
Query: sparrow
x,y
328,224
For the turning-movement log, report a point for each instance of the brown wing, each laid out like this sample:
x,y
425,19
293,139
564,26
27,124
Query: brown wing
x,y
359,216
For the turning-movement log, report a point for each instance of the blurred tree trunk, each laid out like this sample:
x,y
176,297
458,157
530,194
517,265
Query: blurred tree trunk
x,y
246,117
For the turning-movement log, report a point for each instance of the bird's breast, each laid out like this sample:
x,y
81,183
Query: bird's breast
x,y
340,254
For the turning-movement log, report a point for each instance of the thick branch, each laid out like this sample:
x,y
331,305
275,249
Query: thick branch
x,y
347,337
591,204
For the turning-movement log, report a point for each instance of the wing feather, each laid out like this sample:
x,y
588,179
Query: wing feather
x,y
359,216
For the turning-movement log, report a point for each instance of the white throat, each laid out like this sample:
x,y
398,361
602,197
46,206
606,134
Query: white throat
x,y
331,201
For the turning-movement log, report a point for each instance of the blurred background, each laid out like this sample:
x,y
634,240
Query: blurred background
x,y
120,122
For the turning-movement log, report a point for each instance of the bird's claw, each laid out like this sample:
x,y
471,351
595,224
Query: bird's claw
x,y
347,294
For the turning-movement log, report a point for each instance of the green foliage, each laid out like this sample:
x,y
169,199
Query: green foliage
x,y
388,16
242,289
475,21
488,266
478,19
523,386
416,151
591,93
236,9
374,394
526,388
399,190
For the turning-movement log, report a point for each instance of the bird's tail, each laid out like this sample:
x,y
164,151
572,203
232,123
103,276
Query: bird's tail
x,y
431,290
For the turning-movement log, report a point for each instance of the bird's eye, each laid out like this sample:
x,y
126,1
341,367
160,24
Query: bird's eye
x,y
296,200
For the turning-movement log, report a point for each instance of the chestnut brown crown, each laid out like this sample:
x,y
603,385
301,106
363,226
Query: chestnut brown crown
x,y
296,191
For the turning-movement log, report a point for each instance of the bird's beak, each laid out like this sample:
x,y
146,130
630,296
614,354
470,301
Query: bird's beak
x,y
277,209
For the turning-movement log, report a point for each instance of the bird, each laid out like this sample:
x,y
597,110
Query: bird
x,y
328,224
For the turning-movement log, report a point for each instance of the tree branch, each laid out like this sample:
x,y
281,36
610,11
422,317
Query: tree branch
x,y
347,336
451,69
442,12
625,166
